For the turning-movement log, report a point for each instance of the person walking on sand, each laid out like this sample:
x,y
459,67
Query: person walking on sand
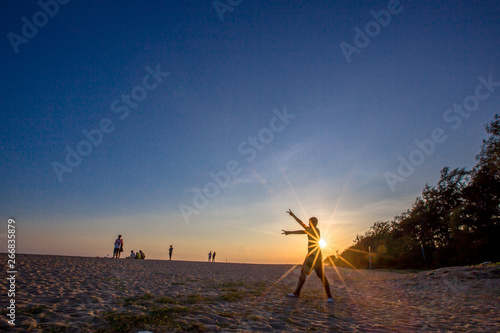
x,y
118,247
314,258
170,250
209,256
213,257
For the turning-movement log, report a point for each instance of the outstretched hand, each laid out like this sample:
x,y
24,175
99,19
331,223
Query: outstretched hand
x,y
289,212
284,232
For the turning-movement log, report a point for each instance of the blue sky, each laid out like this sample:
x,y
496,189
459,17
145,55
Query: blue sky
x,y
352,120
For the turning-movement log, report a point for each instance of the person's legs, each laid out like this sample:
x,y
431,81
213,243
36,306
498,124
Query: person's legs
x,y
307,267
302,280
320,272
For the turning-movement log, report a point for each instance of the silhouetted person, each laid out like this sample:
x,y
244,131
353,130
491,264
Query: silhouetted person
x,y
314,258
213,257
209,255
170,250
118,247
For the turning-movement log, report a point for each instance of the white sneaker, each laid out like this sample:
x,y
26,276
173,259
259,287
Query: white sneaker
x,y
291,295
330,300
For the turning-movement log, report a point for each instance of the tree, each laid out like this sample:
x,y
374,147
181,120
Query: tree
x,y
456,222
476,224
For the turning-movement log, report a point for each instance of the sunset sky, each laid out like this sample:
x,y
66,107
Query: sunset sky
x,y
117,116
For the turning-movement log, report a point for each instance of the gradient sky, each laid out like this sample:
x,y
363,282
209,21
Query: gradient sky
x,y
352,120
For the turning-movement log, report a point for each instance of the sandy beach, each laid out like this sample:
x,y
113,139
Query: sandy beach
x,y
79,294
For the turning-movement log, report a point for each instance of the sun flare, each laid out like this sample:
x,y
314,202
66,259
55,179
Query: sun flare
x,y
322,243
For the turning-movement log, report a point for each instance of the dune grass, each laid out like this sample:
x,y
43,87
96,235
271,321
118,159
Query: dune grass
x,y
157,317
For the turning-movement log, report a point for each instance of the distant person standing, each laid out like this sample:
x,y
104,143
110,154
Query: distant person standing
x,y
209,256
118,247
213,257
170,250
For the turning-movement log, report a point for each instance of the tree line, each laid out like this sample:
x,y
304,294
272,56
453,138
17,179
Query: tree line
x,y
456,222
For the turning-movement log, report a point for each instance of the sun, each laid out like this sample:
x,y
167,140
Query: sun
x,y
322,243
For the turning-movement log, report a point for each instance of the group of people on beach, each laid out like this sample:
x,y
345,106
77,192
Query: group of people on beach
x,y
312,262
118,249
138,255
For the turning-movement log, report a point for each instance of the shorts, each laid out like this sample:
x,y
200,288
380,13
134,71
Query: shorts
x,y
116,250
313,262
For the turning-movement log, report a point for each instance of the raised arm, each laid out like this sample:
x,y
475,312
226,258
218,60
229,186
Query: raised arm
x,y
296,219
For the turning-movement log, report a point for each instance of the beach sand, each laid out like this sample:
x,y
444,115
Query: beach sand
x,y
78,294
